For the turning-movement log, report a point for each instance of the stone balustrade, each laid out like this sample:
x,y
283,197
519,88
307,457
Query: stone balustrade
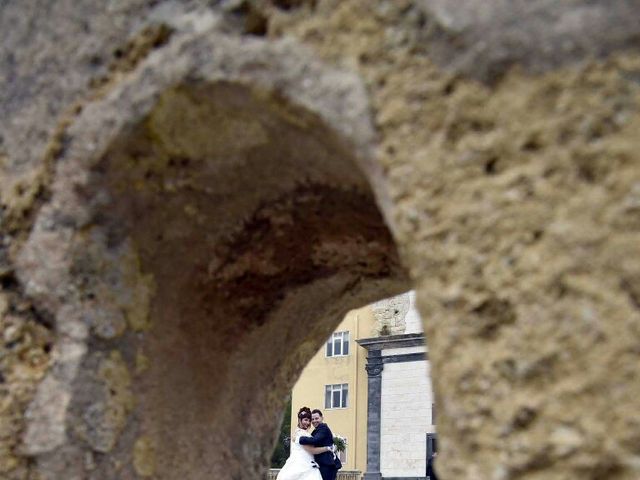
x,y
342,475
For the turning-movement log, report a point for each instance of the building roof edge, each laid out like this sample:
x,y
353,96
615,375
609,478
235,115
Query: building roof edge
x,y
392,341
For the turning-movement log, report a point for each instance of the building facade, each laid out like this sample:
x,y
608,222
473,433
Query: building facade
x,y
371,379
342,375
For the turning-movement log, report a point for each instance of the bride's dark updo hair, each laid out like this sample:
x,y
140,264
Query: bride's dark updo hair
x,y
304,412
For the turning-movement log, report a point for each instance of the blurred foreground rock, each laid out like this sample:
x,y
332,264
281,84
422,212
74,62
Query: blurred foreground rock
x,y
194,193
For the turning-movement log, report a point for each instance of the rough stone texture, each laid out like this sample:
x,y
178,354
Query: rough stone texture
x,y
191,197
200,203
515,213
484,38
390,315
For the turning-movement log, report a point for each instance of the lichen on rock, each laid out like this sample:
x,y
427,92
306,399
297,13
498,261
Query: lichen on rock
x,y
144,460
106,417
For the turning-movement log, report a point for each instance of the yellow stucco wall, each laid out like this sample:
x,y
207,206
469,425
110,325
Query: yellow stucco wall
x,y
350,422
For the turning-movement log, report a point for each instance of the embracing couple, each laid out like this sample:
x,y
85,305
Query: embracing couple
x,y
312,454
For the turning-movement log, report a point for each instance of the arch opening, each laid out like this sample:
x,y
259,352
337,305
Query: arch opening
x,y
372,380
258,233
220,232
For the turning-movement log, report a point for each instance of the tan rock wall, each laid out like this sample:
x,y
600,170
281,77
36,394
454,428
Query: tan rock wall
x,y
514,208
187,210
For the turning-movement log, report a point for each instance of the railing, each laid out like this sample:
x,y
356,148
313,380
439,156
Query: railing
x,y
349,475
342,474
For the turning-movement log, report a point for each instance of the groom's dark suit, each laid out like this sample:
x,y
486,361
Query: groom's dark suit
x,y
322,437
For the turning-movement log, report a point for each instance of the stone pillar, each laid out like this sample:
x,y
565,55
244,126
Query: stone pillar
x,y
374,372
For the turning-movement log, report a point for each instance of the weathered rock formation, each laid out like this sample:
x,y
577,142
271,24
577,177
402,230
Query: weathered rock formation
x,y
193,193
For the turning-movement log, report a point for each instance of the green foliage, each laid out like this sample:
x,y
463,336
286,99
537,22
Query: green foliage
x,y
281,452
340,443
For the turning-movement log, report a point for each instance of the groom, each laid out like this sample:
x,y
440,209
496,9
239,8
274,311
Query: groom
x,y
321,437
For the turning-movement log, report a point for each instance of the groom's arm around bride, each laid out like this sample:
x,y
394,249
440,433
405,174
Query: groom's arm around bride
x,y
322,437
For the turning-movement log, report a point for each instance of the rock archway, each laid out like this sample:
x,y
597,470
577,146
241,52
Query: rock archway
x,y
209,225
504,159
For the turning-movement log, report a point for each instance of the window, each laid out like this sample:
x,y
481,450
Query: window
x,y
432,444
338,344
335,396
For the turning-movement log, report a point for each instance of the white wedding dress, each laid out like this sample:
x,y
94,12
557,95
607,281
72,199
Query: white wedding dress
x,y
300,464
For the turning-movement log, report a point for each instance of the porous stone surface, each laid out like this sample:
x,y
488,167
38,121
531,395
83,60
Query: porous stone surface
x,y
193,193
514,210
390,315
206,224
485,38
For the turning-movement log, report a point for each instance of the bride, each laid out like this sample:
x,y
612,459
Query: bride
x,y
300,465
